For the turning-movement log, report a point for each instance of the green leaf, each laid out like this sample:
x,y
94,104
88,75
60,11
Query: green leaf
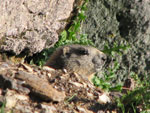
x,y
63,35
116,88
82,16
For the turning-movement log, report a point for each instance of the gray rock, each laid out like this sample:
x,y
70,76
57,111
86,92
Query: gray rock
x,y
129,22
32,25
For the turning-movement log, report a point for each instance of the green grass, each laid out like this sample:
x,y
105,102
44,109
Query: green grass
x,y
105,83
2,108
134,101
137,100
115,49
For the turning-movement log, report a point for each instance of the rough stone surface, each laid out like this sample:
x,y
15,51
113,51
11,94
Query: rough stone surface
x,y
32,24
110,21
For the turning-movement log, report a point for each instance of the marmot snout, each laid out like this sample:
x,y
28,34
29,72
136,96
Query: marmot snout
x,y
84,60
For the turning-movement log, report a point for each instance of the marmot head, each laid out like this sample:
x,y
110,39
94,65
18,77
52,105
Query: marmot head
x,y
84,60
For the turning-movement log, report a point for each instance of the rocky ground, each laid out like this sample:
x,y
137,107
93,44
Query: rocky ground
x,y
30,89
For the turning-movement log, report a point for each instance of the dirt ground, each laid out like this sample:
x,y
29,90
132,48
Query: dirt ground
x,y
31,89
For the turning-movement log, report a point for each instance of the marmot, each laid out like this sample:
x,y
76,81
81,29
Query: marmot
x,y
83,60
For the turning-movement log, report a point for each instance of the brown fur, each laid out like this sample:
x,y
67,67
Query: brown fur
x,y
84,60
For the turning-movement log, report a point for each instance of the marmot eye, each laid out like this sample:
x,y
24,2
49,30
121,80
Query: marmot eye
x,y
86,52
83,52
103,58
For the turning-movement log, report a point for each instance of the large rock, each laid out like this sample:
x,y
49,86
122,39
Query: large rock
x,y
123,22
32,24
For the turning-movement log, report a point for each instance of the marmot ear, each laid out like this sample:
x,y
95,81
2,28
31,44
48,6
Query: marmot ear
x,y
66,51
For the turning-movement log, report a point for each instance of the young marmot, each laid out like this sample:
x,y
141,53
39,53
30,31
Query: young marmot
x,y
83,60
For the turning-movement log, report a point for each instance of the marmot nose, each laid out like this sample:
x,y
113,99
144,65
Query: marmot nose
x,y
103,58
99,60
